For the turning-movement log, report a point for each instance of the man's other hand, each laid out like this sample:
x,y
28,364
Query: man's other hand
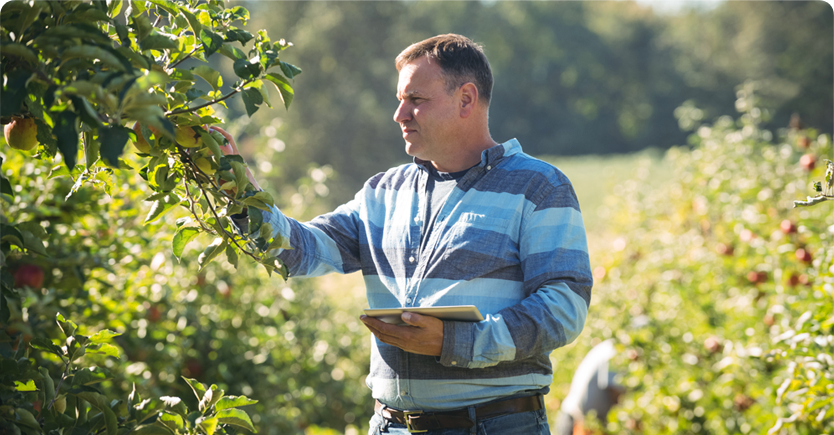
x,y
421,335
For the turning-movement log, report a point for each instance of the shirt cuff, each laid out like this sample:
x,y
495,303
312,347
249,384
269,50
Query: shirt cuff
x,y
458,342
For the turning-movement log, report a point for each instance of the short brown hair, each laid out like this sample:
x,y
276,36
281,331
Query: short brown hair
x,y
460,59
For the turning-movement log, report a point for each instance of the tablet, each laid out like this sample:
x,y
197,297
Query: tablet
x,y
468,313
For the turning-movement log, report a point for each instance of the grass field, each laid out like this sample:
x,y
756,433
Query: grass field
x,y
595,177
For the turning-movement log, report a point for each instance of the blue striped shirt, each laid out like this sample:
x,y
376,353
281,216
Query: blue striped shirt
x,y
509,240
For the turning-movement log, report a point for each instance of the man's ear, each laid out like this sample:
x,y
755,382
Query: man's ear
x,y
468,99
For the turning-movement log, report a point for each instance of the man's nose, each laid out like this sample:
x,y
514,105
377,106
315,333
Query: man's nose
x,y
402,113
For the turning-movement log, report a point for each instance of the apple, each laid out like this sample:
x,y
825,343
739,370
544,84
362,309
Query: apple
x,y
803,255
742,402
28,275
808,162
713,345
633,355
803,142
793,280
141,144
21,133
769,320
188,138
193,368
61,404
154,314
805,280
787,226
747,235
725,249
204,163
756,277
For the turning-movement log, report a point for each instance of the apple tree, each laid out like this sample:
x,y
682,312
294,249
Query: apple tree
x,y
85,79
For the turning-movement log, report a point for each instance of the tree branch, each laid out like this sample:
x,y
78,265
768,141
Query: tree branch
x,y
215,101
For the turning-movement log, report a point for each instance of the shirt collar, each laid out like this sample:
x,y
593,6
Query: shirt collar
x,y
490,156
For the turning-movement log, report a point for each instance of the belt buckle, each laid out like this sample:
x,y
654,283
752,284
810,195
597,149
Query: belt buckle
x,y
407,415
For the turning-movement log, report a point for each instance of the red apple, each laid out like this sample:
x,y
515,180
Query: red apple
x,y
28,275
756,277
747,235
803,255
725,249
713,345
193,368
154,314
793,280
808,162
787,226
805,280
769,320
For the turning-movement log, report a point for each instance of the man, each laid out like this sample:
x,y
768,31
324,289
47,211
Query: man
x,y
594,388
470,222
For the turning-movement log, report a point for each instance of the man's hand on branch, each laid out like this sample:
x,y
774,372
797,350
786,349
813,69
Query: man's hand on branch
x,y
230,149
421,335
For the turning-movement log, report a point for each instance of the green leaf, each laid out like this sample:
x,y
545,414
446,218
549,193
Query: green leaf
x,y
232,255
11,235
21,51
26,418
68,327
284,88
279,242
158,41
208,74
211,252
106,349
212,395
161,206
28,386
240,35
151,429
245,69
290,70
233,402
89,376
232,52
172,421
66,132
103,335
113,140
33,243
209,425
45,344
175,404
252,98
238,13
92,150
168,6
101,403
198,388
236,417
211,143
211,41
182,237
14,92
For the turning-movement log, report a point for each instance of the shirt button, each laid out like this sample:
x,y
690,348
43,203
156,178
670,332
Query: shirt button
x,y
408,301
454,363
404,393
411,259
489,167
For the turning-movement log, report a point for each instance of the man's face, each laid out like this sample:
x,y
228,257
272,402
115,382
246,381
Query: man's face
x,y
427,114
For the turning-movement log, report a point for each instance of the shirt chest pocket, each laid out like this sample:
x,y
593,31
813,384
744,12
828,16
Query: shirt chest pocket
x,y
477,245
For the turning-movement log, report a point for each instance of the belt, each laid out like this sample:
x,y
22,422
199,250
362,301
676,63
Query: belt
x,y
424,421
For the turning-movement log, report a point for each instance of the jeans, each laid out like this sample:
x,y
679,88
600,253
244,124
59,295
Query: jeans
x,y
522,423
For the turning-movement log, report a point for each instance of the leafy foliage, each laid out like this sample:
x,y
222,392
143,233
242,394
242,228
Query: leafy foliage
x,y
718,292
